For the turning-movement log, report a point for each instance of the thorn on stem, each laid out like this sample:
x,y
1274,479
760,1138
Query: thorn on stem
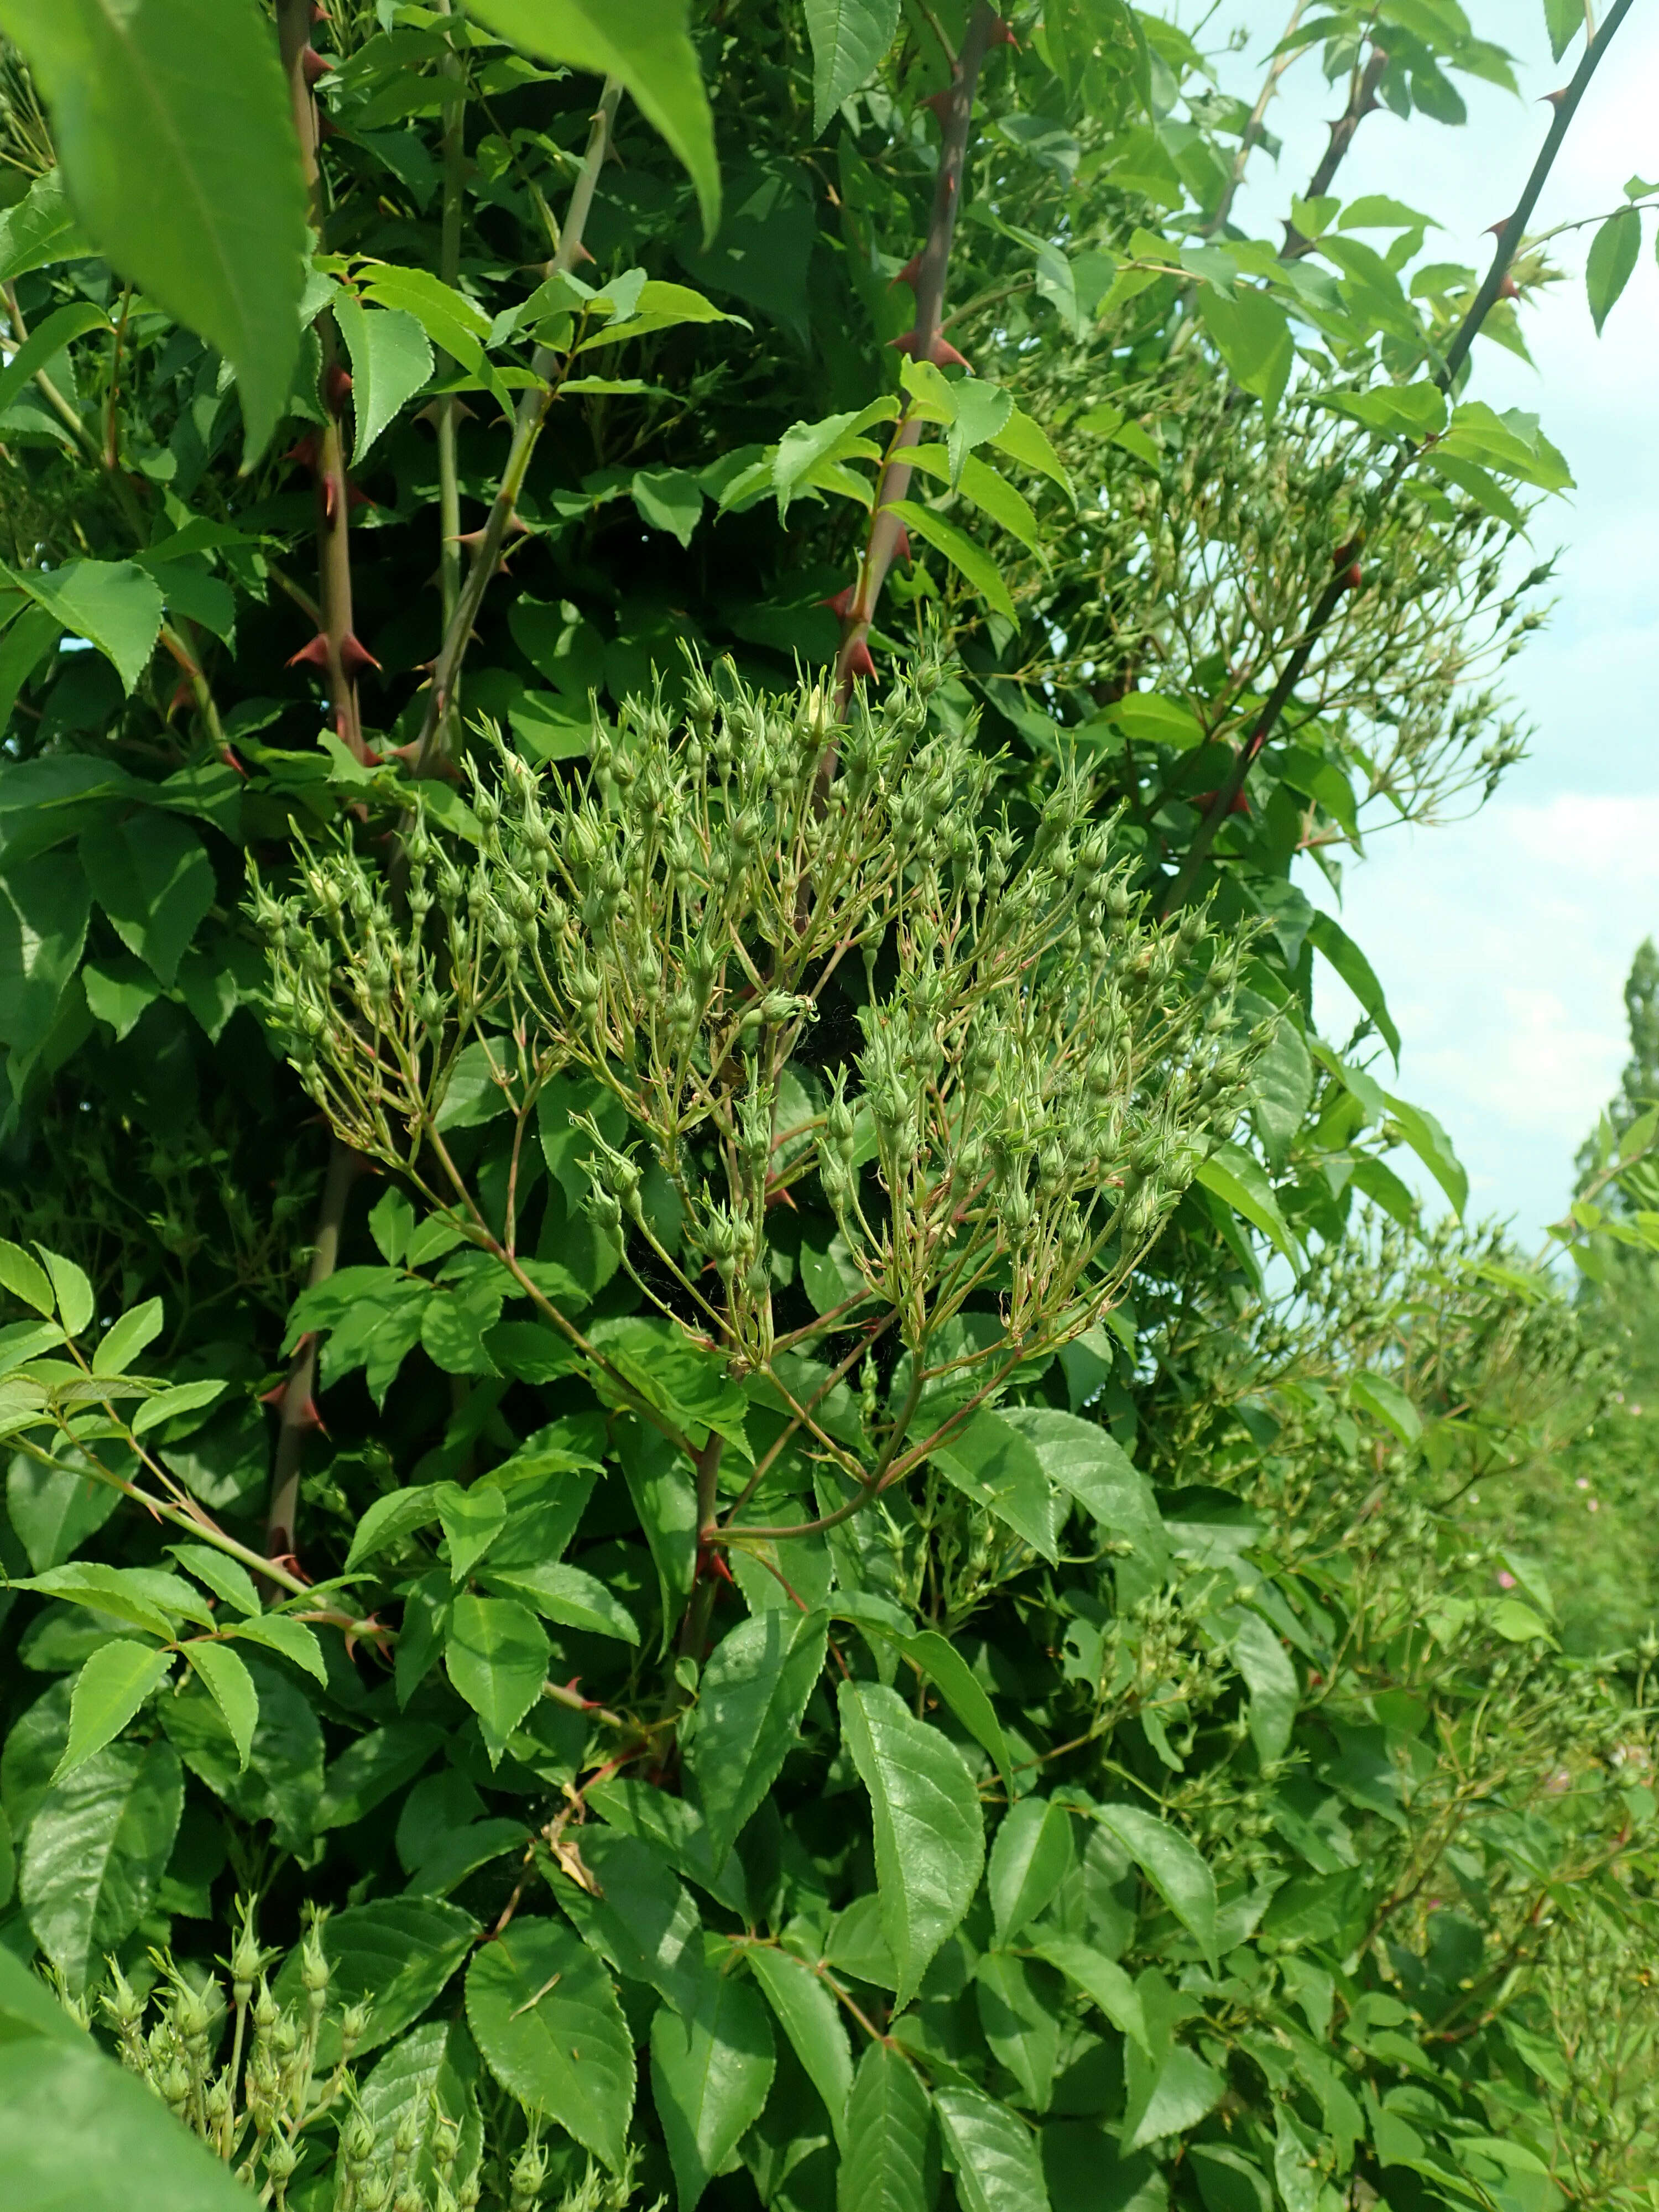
x,y
857,663
941,352
313,65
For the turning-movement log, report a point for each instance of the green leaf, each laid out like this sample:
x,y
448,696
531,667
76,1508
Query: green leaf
x,y
1385,1401
43,344
126,1338
567,1596
1171,1864
116,1590
1281,1090
711,2074
659,1482
231,1688
1101,1980
991,2152
990,1461
975,562
151,875
40,229
545,2017
1236,1178
1613,256
645,1923
290,1639
1433,1147
26,1279
1027,444
1147,718
43,911
53,1509
168,1405
980,413
371,1768
1252,336
176,140
850,42
644,44
1564,19
1327,936
225,1577
1030,1856
391,360
749,1702
95,1852
669,499
953,1677
495,1653
1095,1469
888,2132
78,2130
76,1304
108,1691
390,1518
394,1955
471,1520
1020,2014
811,2020
1167,2098
929,1830
1275,1693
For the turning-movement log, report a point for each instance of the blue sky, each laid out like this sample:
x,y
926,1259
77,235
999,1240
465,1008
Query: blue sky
x,y
1503,942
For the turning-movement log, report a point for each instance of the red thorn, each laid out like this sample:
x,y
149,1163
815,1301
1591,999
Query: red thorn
x,y
1207,799
943,354
1556,98
356,496
184,692
1497,229
330,498
906,345
909,274
1002,35
230,761
940,103
901,546
289,1560
311,654
355,656
319,13
337,386
305,452
841,605
1508,290
856,663
313,65
327,127
581,253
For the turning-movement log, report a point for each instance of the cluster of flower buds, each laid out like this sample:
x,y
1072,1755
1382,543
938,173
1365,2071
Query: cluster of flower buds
x,y
1041,1067
252,2091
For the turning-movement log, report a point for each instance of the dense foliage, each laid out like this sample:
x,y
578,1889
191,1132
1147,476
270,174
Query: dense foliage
x,y
736,1472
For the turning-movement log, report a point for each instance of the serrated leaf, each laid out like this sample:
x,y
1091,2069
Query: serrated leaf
x,y
850,40
990,1461
1101,1980
991,2151
97,1847
124,1341
929,1830
225,1578
1613,256
1433,1147
73,1292
1275,1693
1237,1180
1030,1856
1385,1401
108,1691
888,2132
750,1698
178,150
291,1639
231,1688
495,1653
115,604
646,44
1172,1865
546,2021
811,2020
397,1515
391,360
567,1596
644,1924
116,1590
393,1954
168,1405
973,561
26,1279
711,2073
